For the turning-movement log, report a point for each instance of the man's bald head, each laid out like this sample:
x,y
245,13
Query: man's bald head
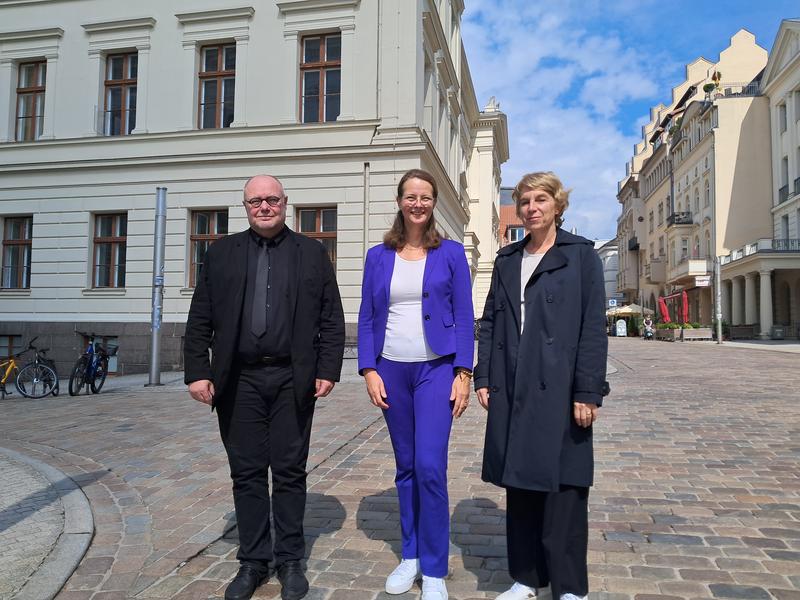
x,y
268,218
259,178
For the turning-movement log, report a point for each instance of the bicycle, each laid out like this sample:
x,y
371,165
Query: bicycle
x,y
41,356
91,368
36,379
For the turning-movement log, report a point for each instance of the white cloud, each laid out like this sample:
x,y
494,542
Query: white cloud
x,y
561,86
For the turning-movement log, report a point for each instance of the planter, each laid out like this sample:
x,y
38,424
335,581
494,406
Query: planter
x,y
699,333
743,332
668,335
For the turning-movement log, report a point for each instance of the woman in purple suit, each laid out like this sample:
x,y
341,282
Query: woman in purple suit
x,y
415,351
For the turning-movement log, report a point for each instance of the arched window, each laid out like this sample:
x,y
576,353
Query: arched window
x,y
708,245
696,249
696,200
707,194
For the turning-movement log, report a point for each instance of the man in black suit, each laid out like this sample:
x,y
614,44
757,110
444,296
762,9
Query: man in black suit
x,y
264,340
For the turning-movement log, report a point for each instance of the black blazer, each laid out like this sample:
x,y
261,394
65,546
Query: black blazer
x,y
215,315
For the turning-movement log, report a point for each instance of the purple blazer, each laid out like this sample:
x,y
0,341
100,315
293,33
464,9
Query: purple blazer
x,y
448,317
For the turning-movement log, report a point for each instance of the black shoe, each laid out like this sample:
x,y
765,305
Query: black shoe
x,y
294,584
245,583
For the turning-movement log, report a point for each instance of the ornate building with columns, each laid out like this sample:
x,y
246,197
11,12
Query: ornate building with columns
x,y
761,278
699,184
100,102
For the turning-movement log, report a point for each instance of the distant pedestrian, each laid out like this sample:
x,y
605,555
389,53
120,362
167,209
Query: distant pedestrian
x,y
541,375
415,351
267,310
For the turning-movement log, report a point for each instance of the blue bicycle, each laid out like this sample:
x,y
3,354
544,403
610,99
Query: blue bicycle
x,y
91,368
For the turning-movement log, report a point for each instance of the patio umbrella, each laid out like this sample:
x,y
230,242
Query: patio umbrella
x,y
630,311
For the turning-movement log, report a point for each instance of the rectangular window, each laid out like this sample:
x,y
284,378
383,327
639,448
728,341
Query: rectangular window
x,y
30,100
797,105
207,227
515,234
17,239
782,117
120,94
10,344
321,78
110,245
320,224
660,214
650,220
217,85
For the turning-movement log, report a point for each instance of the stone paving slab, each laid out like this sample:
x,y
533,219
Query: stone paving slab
x,y
68,546
697,489
31,521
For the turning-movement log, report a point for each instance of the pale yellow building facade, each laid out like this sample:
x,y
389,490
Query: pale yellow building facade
x,y
706,183
761,274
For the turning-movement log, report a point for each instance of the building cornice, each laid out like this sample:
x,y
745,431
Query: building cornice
x,y
122,25
204,16
31,34
293,6
774,72
441,51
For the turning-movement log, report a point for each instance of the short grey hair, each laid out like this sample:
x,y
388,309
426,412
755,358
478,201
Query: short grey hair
x,y
280,183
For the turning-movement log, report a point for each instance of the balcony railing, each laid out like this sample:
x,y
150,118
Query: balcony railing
x,y
679,218
690,267
786,245
783,194
762,245
656,270
733,90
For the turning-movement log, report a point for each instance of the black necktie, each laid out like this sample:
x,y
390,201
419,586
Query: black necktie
x,y
258,321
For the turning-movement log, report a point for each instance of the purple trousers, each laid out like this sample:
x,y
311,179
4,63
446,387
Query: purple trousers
x,y
419,418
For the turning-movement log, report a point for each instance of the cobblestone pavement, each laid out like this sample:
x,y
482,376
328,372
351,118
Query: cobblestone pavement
x,y
31,519
697,489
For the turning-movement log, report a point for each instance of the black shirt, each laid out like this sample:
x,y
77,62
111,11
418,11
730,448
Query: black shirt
x,y
277,339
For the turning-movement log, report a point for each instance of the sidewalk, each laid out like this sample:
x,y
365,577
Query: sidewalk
x,y
697,489
791,346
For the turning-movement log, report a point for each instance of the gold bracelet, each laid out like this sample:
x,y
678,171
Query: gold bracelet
x,y
463,373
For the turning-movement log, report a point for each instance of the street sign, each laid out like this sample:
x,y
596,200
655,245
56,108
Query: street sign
x,y
612,302
702,280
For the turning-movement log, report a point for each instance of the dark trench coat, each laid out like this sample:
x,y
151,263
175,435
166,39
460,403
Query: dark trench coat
x,y
532,440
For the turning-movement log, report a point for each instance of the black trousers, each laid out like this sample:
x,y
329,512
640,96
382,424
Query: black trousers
x,y
547,535
263,429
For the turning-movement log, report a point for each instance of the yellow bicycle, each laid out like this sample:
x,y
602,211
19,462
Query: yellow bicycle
x,y
34,380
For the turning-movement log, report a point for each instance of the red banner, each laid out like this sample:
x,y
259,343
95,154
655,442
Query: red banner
x,y
662,308
682,315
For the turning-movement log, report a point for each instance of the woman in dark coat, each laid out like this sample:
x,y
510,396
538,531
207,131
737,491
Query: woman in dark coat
x,y
542,352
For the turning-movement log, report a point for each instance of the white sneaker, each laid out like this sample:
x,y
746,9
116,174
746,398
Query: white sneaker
x,y
518,592
403,577
433,588
572,597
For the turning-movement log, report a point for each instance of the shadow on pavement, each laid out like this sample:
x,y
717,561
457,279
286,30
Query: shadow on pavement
x,y
21,510
478,528
378,517
324,515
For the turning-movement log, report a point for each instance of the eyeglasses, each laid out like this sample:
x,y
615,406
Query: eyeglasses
x,y
271,200
424,200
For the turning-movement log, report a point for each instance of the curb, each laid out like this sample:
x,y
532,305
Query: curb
x,y
73,542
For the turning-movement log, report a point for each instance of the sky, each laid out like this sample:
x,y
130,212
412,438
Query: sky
x,y
577,79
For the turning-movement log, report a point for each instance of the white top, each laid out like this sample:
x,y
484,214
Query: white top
x,y
405,334
529,264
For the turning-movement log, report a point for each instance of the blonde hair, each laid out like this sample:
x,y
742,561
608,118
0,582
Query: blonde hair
x,y
550,183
